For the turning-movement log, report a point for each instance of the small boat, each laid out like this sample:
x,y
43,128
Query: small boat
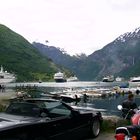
x,y
108,78
59,77
6,77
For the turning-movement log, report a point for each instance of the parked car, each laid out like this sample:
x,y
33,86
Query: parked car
x,y
47,119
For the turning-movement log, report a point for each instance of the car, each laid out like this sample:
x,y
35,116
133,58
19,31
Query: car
x,y
47,119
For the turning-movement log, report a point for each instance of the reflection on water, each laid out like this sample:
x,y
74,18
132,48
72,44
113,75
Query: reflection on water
x,y
107,106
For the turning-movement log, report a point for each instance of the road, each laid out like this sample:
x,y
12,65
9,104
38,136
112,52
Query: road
x,y
104,136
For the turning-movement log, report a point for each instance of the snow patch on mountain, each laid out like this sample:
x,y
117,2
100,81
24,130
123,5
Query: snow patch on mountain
x,y
133,34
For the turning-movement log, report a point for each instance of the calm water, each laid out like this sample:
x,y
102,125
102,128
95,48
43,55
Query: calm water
x,y
107,106
72,84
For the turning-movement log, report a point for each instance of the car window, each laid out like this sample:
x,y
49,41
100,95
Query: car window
x,y
50,105
35,107
58,108
26,109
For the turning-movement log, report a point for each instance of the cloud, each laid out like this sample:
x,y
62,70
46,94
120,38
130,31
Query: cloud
x,y
76,25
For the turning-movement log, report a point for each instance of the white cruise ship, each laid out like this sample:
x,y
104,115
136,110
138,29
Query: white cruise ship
x,y
135,79
72,79
59,77
108,78
6,77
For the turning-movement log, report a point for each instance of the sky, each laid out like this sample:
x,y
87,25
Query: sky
x,y
77,26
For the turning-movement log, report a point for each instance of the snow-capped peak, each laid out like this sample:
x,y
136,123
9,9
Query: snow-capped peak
x,y
133,34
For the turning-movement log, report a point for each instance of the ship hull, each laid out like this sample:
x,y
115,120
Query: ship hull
x,y
60,80
3,81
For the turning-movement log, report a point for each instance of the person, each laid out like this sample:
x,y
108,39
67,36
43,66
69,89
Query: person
x,y
129,103
137,91
85,98
128,106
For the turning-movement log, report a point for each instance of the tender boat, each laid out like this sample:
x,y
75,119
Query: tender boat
x,y
6,77
59,77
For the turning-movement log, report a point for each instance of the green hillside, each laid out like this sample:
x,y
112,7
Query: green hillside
x,y
18,56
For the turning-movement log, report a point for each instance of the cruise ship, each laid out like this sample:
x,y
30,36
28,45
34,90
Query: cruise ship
x,y
135,79
59,77
108,78
6,77
72,79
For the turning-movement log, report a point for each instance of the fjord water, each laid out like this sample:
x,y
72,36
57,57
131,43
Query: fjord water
x,y
108,105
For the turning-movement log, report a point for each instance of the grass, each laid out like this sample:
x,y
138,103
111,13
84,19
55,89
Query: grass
x,y
110,124
2,106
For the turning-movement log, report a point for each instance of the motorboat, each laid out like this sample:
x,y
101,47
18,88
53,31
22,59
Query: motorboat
x,y
108,78
6,77
59,77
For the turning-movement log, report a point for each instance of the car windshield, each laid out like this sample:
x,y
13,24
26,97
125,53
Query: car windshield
x,y
23,109
57,108
38,108
54,108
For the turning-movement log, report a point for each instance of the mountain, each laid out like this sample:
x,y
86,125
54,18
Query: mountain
x,y
84,68
18,56
120,58
60,57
